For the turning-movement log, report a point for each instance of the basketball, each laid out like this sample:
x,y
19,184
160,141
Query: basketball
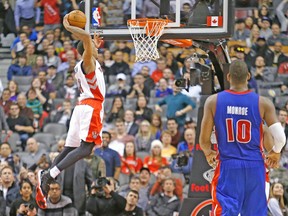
x,y
77,18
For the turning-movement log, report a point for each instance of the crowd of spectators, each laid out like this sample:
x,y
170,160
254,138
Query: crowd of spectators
x,y
147,118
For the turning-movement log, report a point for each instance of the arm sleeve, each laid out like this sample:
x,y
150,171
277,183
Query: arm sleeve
x,y
281,15
17,15
37,14
278,135
91,205
117,160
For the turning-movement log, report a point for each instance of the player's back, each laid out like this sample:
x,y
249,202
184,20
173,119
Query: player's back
x,y
90,85
238,125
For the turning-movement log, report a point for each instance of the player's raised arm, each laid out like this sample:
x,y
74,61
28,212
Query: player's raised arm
x,y
84,37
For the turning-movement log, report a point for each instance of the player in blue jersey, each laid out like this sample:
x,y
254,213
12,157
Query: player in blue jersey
x,y
238,186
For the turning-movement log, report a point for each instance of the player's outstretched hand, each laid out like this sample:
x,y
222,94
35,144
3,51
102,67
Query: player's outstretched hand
x,y
272,159
98,40
211,158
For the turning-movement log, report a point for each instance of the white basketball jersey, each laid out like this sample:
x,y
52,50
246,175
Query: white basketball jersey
x,y
90,85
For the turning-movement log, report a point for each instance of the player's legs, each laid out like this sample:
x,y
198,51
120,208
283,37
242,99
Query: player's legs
x,y
228,188
255,202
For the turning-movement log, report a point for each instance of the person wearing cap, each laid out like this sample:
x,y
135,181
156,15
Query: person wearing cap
x,y
240,33
145,186
119,88
19,69
265,30
261,72
155,161
54,78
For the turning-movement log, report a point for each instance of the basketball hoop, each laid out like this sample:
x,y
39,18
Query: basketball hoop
x,y
145,33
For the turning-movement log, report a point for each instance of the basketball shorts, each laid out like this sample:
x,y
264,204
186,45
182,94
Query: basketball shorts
x,y
86,125
238,187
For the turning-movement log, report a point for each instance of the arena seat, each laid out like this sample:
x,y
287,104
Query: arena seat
x,y
13,140
55,128
46,138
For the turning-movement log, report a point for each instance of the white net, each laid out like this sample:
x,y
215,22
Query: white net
x,y
145,34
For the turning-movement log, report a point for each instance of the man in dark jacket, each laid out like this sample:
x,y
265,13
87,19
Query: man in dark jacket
x,y
131,208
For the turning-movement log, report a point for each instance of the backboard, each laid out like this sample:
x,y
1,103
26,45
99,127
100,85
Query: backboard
x,y
188,19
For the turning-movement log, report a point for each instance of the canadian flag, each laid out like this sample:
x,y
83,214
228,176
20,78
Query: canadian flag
x,y
214,21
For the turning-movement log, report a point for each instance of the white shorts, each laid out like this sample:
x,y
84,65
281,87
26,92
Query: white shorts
x,y
86,125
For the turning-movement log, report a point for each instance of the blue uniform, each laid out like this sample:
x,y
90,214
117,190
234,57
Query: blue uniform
x,y
239,182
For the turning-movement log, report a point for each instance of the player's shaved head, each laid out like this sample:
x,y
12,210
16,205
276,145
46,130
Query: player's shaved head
x,y
238,71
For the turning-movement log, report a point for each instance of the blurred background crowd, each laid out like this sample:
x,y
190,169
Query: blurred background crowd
x,y
149,122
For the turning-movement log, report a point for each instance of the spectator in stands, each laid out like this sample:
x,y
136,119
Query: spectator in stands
x,y
139,65
279,57
171,62
166,203
108,203
51,14
177,105
122,46
26,190
42,44
144,137
131,164
57,203
5,101
156,125
254,35
19,124
172,127
119,66
158,73
46,87
138,87
66,68
282,117
168,150
19,69
277,36
111,157
34,152
261,72
131,207
34,104
14,90
134,184
31,56
120,88
164,173
3,124
189,141
240,33
122,136
155,161
51,58
282,16
145,186
149,82
69,90
277,203
142,111
6,154
26,13
9,186
74,180
96,164
116,111
54,78
259,49
115,144
163,90
39,65
249,22
131,126
108,60
67,46
24,110
18,47
2,200
63,114
265,30
168,76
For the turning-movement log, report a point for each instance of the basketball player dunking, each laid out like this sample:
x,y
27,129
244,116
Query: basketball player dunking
x,y
238,186
86,122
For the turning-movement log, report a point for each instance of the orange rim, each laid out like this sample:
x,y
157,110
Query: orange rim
x,y
184,43
143,21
